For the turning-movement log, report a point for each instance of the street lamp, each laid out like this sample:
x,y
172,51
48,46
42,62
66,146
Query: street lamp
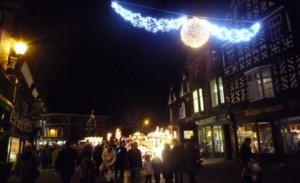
x,y
146,122
20,48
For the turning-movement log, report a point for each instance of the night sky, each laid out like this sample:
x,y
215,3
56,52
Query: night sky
x,y
95,60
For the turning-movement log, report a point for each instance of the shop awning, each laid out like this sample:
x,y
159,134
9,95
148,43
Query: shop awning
x,y
5,103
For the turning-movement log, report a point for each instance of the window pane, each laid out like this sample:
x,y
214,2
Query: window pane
x,y
201,100
254,86
290,131
267,82
218,139
248,130
195,101
266,138
221,91
213,93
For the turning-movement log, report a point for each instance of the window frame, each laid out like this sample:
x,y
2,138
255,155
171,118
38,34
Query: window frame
x,y
258,92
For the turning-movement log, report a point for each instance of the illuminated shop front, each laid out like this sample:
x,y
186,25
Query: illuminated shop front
x,y
261,135
273,134
212,133
290,131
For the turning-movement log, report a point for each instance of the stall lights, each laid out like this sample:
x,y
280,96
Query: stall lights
x,y
195,32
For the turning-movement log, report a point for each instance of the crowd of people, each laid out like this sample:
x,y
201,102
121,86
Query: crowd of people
x,y
111,161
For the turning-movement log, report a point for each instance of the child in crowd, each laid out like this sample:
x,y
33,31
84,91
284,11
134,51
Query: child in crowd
x,y
251,174
148,169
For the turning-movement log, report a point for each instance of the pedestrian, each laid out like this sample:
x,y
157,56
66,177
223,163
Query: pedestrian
x,y
148,169
176,153
66,161
191,158
42,158
86,165
251,173
156,165
55,154
108,162
120,162
167,163
97,157
245,152
27,165
134,163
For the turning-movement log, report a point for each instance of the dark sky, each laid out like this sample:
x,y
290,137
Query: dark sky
x,y
96,61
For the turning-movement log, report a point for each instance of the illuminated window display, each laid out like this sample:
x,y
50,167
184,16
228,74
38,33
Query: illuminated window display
x,y
290,132
213,138
261,135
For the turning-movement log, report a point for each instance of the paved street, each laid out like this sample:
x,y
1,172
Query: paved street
x,y
213,171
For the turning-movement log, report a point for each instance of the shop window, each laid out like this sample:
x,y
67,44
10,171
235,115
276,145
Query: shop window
x,y
266,137
290,132
261,135
248,130
260,84
53,133
218,140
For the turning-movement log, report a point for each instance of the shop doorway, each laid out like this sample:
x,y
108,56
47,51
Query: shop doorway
x,y
212,137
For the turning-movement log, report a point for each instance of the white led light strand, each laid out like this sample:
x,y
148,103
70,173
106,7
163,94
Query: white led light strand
x,y
195,31
234,35
150,24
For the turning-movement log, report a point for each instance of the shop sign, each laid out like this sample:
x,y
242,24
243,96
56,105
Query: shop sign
x,y
263,110
206,121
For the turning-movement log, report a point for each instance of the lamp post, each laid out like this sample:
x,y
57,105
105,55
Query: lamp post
x,y
20,49
15,58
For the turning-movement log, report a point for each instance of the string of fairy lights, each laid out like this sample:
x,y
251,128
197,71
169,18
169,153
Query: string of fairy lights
x,y
195,31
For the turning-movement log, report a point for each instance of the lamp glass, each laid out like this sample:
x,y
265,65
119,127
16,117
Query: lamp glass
x,y
20,48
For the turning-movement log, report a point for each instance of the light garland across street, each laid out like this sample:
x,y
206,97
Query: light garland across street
x,y
195,31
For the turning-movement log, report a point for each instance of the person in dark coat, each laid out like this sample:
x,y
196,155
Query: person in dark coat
x,y
27,165
120,162
191,157
134,163
65,162
167,163
97,157
87,173
245,152
177,152
157,168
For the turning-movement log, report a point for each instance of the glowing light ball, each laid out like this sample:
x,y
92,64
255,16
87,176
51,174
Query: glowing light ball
x,y
195,32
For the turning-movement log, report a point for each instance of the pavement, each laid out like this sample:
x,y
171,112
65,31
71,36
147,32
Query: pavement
x,y
212,171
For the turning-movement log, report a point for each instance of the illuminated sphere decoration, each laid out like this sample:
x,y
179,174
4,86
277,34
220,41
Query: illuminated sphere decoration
x,y
195,32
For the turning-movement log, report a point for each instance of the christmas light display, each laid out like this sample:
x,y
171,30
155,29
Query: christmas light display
x,y
194,31
150,24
